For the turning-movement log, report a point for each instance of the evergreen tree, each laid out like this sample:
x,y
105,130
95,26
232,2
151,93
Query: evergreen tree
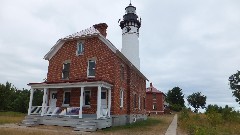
x,y
175,98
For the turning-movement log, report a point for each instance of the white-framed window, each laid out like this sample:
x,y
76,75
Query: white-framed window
x,y
86,97
122,72
65,70
66,98
91,68
154,106
135,100
144,103
80,48
121,98
139,102
154,96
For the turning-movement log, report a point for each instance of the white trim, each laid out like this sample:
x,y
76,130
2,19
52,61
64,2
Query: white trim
x,y
70,85
139,102
99,102
44,101
109,102
121,98
78,47
94,68
81,102
30,101
84,104
65,91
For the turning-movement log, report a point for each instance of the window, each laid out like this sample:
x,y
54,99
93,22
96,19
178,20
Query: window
x,y
65,71
103,95
91,68
135,101
154,106
122,72
80,48
139,102
121,98
87,95
144,106
66,98
154,95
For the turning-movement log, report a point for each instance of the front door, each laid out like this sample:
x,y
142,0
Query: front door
x,y
104,99
53,98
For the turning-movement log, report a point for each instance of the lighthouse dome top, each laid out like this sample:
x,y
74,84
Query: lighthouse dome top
x,y
130,9
130,16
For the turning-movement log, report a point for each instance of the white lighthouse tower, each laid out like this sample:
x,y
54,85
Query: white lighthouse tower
x,y
130,33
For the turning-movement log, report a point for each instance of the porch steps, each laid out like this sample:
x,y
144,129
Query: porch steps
x,y
88,126
93,124
30,121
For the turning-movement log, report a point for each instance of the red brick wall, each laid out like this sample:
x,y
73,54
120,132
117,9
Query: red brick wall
x,y
108,68
159,102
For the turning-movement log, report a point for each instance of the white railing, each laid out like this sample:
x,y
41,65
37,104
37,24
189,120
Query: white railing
x,y
50,111
36,110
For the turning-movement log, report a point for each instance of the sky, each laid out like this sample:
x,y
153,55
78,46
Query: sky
x,y
191,44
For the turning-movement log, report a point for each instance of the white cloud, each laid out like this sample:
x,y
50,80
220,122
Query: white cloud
x,y
190,44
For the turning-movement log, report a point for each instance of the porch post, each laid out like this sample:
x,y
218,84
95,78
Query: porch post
x,y
47,95
99,102
30,101
81,102
44,101
109,101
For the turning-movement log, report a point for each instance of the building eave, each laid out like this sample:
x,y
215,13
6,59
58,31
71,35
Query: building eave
x,y
69,85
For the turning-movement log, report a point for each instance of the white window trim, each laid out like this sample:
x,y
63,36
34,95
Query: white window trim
x,y
84,98
121,98
82,45
67,62
154,107
66,105
88,68
144,101
139,102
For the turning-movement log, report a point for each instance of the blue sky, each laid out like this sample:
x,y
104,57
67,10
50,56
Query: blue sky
x,y
191,44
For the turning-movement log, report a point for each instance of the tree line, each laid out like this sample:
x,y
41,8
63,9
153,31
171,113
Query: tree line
x,y
12,99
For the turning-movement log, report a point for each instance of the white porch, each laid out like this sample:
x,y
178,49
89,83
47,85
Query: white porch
x,y
46,109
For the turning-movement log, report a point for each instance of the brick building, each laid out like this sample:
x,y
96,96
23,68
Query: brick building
x,y
89,77
155,100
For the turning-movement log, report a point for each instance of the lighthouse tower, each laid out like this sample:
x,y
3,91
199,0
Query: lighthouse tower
x,y
130,33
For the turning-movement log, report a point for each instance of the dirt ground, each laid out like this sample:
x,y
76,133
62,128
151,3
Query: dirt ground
x,y
14,129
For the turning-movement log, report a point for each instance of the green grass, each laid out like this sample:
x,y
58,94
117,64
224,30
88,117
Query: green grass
x,y
11,117
208,124
141,124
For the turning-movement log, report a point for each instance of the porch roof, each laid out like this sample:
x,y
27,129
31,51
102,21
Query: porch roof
x,y
69,85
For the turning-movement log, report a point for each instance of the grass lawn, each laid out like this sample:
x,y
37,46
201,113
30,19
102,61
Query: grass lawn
x,y
154,125
157,124
11,117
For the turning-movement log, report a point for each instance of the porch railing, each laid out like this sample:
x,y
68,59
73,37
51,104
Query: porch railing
x,y
49,110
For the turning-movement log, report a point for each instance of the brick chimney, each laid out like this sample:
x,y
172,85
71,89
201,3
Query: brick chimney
x,y
102,28
151,86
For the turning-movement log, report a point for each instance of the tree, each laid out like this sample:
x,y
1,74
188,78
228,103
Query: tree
x,y
234,86
197,100
175,98
214,108
12,99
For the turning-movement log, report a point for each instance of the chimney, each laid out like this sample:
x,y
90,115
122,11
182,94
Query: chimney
x,y
151,87
102,28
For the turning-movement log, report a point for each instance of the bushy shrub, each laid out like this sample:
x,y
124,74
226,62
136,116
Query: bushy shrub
x,y
214,118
